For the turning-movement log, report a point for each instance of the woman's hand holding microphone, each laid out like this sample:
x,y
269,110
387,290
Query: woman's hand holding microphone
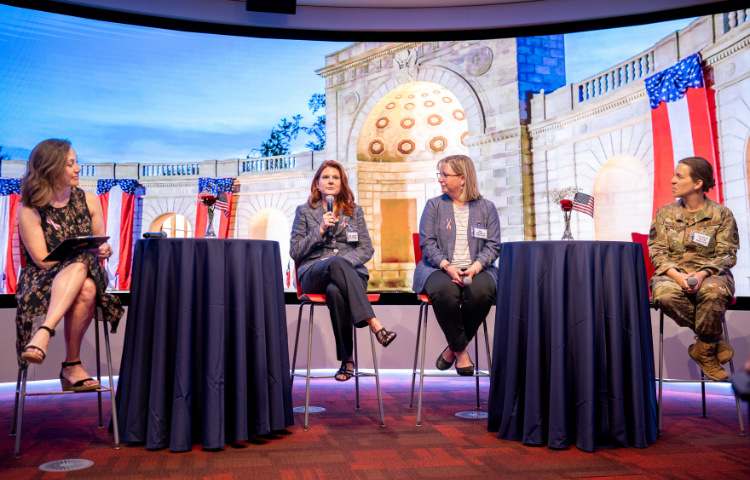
x,y
329,220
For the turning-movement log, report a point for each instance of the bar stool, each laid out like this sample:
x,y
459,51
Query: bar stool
x,y
643,240
424,307
313,299
15,429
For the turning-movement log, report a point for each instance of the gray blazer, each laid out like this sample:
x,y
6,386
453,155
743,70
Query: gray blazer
x,y
437,242
309,246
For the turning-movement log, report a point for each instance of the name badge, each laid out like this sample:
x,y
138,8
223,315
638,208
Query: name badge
x,y
700,238
479,232
352,236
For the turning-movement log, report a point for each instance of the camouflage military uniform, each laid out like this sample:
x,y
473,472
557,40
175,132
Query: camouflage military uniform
x,y
670,247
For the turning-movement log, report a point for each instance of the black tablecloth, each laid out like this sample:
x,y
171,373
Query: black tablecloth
x,y
573,358
205,356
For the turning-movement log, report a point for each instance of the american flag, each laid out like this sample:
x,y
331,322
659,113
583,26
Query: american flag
x,y
584,203
222,203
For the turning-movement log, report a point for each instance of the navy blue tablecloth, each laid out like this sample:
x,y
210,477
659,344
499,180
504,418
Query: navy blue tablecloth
x,y
205,358
573,358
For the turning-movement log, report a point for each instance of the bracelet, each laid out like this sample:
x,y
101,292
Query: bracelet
x,y
476,271
445,267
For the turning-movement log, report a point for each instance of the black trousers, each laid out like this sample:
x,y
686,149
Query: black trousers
x,y
460,322
346,297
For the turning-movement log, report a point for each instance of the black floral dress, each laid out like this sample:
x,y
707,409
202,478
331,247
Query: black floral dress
x,y
35,284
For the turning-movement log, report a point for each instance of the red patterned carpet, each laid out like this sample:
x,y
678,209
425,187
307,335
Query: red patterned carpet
x,y
344,443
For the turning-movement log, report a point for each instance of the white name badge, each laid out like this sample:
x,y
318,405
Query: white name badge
x,y
700,238
479,232
352,236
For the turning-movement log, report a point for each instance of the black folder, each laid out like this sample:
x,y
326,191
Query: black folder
x,y
67,246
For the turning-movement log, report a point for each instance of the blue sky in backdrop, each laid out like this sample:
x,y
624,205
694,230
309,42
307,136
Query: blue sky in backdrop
x,y
125,93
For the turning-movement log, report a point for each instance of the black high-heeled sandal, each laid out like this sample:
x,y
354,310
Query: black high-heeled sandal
x,y
32,357
343,372
79,385
442,363
387,338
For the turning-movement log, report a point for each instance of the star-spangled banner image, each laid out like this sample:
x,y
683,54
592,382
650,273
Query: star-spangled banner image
x,y
682,125
10,245
119,199
223,189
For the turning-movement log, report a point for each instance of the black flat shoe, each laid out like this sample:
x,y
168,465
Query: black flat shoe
x,y
465,371
442,363
343,374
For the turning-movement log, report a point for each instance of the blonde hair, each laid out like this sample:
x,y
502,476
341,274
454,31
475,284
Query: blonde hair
x,y
462,165
46,166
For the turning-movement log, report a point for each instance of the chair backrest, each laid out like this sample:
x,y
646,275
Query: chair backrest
x,y
417,250
643,240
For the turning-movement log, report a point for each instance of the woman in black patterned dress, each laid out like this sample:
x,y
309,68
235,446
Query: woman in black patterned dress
x,y
53,209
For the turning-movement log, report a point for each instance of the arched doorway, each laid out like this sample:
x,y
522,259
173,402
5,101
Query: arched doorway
x,y
623,196
174,224
272,224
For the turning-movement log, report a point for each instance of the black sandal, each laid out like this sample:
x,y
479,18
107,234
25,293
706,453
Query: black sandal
x,y
343,372
386,338
32,357
79,385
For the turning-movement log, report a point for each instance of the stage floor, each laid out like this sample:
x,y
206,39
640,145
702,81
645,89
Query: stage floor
x,y
345,443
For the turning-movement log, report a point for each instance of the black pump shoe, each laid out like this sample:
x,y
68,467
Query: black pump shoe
x,y
443,364
465,371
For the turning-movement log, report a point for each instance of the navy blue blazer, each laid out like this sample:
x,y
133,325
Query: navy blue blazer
x,y
309,246
437,241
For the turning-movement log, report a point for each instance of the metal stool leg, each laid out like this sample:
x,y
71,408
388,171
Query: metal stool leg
x,y
731,369
661,370
15,405
99,370
476,366
309,359
703,393
377,378
356,368
487,345
421,370
296,341
17,453
416,354
115,426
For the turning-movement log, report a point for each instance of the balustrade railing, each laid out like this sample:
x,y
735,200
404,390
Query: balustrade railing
x,y
87,170
736,18
627,72
284,162
166,170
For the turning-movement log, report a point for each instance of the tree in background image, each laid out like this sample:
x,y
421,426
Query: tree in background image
x,y
318,129
3,156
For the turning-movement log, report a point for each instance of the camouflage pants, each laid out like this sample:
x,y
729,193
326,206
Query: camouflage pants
x,y
701,311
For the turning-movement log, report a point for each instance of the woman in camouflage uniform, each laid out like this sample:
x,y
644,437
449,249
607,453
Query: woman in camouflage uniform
x,y
695,237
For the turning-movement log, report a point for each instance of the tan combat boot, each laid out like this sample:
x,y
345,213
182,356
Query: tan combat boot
x,y
704,354
724,352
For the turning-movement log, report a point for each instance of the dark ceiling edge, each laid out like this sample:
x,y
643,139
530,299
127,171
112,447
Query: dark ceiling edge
x,y
116,16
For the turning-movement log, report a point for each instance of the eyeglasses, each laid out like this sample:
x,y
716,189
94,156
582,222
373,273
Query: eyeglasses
x,y
444,175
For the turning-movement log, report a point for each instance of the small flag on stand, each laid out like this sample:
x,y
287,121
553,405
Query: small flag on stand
x,y
584,203
289,274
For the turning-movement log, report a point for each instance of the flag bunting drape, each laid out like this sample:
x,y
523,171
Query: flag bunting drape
x,y
119,200
223,189
10,243
682,125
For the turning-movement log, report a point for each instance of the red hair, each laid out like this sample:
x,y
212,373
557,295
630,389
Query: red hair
x,y
345,198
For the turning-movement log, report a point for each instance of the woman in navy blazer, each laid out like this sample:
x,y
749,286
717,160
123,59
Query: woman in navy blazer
x,y
459,235
331,249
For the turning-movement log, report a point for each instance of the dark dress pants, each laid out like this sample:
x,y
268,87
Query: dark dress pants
x,y
460,322
346,297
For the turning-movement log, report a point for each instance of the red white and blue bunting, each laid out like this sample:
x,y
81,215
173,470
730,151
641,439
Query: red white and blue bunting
x,y
223,189
119,199
10,245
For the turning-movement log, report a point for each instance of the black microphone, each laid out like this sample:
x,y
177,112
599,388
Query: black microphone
x,y
155,235
692,282
329,208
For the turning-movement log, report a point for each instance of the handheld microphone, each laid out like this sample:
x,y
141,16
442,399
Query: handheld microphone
x,y
155,235
329,208
467,281
692,282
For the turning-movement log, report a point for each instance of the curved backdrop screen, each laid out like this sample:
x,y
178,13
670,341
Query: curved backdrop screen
x,y
169,108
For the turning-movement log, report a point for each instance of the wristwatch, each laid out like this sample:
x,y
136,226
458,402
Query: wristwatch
x,y
708,272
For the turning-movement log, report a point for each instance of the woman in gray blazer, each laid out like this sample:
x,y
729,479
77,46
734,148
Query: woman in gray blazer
x,y
331,249
459,235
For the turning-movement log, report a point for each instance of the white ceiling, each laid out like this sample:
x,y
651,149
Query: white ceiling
x,y
393,15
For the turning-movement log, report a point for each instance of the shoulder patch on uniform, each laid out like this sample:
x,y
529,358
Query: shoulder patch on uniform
x,y
652,233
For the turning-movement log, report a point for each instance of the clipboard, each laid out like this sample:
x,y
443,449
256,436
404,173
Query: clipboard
x,y
69,245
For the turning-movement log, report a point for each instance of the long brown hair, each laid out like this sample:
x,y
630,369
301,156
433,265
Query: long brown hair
x,y
700,169
345,198
46,166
